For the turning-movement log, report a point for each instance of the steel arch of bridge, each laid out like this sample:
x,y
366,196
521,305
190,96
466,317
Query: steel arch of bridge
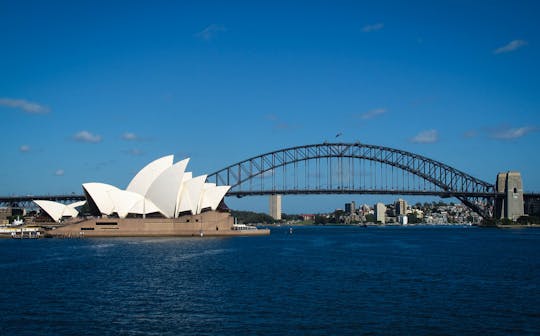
x,y
439,179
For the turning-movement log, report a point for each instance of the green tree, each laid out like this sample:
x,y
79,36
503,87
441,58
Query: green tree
x,y
506,221
371,218
414,219
337,216
320,219
489,222
252,217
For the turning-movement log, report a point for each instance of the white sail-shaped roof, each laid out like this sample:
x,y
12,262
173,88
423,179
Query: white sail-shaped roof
x,y
160,186
99,192
110,199
144,206
70,212
58,210
206,195
213,195
191,194
166,187
76,204
146,176
187,176
123,201
218,196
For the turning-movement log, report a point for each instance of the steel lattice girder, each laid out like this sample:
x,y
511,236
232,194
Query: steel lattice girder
x,y
438,173
450,180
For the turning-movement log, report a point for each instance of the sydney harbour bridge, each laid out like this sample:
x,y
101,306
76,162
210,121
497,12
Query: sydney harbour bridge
x,y
345,168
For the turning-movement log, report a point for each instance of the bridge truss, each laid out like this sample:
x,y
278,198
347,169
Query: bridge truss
x,y
353,168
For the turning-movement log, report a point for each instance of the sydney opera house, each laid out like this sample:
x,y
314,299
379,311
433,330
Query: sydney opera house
x,y
163,199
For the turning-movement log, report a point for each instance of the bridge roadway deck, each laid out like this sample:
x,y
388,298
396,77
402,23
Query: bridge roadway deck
x,y
444,194
9,200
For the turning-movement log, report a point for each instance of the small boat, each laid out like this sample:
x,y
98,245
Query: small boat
x,y
243,227
17,222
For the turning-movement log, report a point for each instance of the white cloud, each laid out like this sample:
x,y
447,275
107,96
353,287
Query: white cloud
x,y
511,46
134,152
429,136
24,105
509,133
271,117
210,32
24,148
59,172
277,123
470,134
85,136
283,126
373,113
373,27
130,136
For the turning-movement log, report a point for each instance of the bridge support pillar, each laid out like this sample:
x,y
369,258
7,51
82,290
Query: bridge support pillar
x,y
275,206
511,206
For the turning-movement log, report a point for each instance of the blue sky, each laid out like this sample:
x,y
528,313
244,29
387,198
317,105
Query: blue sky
x,y
94,90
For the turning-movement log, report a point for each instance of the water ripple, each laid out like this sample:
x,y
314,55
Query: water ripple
x,y
317,281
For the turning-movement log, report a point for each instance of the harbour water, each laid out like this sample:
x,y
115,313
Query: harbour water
x,y
315,281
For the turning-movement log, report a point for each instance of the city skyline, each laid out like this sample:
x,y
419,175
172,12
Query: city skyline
x,y
91,90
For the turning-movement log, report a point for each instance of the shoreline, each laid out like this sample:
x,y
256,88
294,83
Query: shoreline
x,y
518,226
212,224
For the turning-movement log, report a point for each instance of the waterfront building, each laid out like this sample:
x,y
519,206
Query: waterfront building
x,y
418,213
401,207
163,199
365,209
380,213
350,208
4,214
7,212
275,206
160,189
403,219
307,217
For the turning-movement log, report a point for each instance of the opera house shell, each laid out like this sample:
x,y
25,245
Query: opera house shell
x,y
162,199
58,211
161,188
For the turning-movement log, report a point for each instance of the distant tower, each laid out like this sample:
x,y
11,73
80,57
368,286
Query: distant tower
x,y
275,206
401,207
350,208
380,212
511,206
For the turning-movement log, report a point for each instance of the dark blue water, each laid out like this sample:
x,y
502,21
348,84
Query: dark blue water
x,y
317,281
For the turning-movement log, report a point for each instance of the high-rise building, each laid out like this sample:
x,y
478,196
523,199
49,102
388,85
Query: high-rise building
x,y
403,219
275,206
350,208
401,207
380,213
